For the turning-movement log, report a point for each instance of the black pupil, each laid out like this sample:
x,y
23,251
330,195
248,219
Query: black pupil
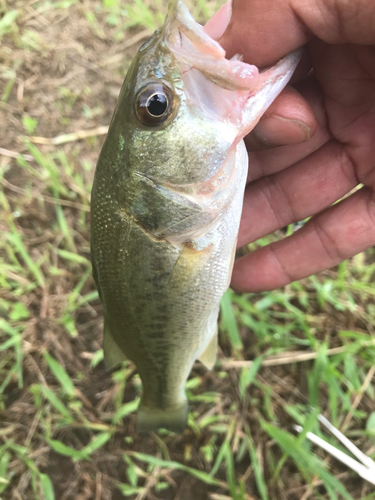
x,y
157,104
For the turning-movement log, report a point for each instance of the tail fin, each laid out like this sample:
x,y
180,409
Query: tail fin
x,y
174,418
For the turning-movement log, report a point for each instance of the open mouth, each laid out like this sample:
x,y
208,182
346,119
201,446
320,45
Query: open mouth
x,y
227,89
193,47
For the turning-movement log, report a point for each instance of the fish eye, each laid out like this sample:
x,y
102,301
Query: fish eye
x,y
154,104
157,104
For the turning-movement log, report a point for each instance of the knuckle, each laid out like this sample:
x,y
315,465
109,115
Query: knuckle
x,y
276,197
348,167
285,276
327,242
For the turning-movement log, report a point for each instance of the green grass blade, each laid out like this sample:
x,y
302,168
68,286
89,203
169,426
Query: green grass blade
x,y
258,471
73,257
55,402
307,463
47,487
61,375
7,21
4,461
128,490
96,443
125,410
15,240
248,375
202,476
229,322
65,450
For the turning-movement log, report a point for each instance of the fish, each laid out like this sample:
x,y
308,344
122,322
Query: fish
x,y
166,205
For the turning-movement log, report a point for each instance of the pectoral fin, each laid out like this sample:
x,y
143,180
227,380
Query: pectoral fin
x,y
208,357
188,265
113,355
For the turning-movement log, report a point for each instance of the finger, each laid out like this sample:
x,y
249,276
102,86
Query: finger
x,y
270,161
275,159
216,26
334,235
265,30
289,120
305,189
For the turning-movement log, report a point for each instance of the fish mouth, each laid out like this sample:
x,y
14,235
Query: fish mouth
x,y
192,45
227,89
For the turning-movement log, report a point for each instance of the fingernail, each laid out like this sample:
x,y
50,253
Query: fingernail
x,y
216,26
277,131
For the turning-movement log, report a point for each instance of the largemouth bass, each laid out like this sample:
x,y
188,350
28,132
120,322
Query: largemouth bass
x,y
166,205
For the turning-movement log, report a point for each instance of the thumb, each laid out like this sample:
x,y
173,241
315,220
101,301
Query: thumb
x,y
216,26
262,31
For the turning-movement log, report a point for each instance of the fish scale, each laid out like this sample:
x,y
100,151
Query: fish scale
x,y
166,206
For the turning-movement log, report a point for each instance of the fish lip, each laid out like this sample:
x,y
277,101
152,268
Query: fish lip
x,y
208,56
178,11
192,46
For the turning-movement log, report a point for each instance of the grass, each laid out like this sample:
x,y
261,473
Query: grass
x,y
67,428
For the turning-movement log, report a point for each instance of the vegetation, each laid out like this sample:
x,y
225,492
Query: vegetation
x,y
67,428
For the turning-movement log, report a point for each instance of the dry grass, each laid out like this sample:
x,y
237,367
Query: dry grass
x,y
66,426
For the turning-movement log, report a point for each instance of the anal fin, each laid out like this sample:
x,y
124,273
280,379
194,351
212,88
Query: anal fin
x,y
208,357
113,355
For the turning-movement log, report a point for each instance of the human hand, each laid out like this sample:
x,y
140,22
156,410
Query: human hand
x,y
325,124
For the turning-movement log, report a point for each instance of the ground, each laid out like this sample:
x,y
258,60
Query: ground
x,y
67,427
